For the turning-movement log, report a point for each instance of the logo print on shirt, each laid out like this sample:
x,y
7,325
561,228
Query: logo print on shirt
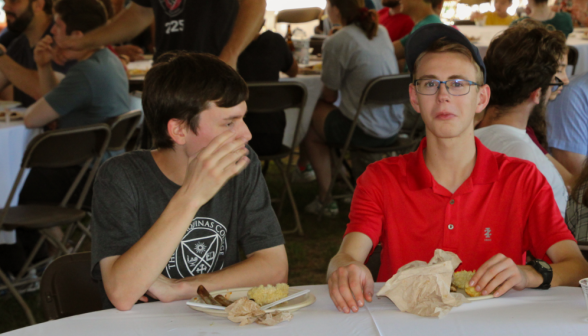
x,y
202,250
173,7
488,234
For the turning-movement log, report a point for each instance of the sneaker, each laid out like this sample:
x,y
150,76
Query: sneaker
x,y
315,207
30,287
306,175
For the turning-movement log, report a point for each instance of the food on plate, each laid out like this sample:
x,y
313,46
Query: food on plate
x,y
453,289
205,296
223,300
473,38
471,291
245,312
138,72
461,278
263,295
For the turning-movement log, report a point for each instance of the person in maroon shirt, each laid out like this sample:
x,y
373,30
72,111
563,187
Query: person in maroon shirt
x,y
453,193
397,24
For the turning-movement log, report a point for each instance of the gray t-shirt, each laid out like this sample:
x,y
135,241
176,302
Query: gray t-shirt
x,y
131,192
350,62
92,91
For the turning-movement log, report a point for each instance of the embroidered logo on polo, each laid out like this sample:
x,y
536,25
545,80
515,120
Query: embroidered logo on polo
x,y
202,249
173,7
488,234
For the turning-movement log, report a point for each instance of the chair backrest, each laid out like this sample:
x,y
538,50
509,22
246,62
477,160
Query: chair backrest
x,y
84,145
67,287
573,58
122,128
386,90
299,15
464,23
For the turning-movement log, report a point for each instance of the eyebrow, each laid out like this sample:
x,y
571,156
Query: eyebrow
x,y
233,117
450,77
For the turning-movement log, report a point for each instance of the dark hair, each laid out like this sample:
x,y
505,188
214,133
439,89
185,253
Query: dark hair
x,y
582,179
520,60
108,7
82,15
539,1
48,8
435,3
181,85
355,12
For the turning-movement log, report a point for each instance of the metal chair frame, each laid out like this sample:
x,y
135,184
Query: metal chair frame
x,y
573,55
262,105
35,156
384,90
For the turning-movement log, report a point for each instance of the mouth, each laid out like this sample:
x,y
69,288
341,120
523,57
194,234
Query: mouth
x,y
445,116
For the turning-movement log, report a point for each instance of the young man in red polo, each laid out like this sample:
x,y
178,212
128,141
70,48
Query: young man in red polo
x,y
453,193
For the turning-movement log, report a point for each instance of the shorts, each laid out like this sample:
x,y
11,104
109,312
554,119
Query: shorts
x,y
337,128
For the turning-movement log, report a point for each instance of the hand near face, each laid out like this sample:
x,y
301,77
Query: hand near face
x,y
43,53
350,286
499,271
223,158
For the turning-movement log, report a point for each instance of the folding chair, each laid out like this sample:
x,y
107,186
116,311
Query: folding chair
x,y
573,58
54,149
271,97
384,90
464,23
298,15
122,128
67,287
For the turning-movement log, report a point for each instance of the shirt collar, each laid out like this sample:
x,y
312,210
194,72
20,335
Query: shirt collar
x,y
419,177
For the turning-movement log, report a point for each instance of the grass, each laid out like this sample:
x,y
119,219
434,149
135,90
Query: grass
x,y
308,255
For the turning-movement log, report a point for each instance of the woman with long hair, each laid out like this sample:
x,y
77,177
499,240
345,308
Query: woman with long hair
x,y
352,57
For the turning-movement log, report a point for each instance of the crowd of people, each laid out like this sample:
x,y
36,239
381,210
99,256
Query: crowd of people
x,y
170,218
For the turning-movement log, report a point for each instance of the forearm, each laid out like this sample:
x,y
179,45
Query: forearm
x,y
398,50
47,79
269,267
24,79
131,275
126,25
247,25
569,272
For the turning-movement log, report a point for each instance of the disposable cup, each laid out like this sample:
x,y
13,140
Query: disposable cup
x,y
584,285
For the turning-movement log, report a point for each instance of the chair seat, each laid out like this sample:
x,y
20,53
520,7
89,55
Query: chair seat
x,y
40,216
284,152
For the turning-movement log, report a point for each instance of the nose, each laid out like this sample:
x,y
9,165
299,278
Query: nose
x,y
243,131
442,93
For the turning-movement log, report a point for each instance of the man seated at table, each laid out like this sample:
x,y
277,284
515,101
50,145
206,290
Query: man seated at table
x,y
32,20
567,126
422,13
94,90
521,89
171,219
450,193
262,61
391,17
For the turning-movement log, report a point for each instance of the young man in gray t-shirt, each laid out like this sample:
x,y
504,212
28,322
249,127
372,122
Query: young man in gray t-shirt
x,y
171,219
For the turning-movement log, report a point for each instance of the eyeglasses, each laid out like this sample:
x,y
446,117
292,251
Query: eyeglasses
x,y
455,87
555,86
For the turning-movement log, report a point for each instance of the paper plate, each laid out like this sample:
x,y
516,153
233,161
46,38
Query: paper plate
x,y
237,293
475,298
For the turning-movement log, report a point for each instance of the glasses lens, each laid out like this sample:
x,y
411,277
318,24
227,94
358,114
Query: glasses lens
x,y
427,86
458,87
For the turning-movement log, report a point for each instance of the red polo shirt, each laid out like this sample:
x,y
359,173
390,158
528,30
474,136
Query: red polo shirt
x,y
398,25
505,206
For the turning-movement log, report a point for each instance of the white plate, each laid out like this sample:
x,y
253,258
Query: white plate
x,y
475,298
14,115
237,293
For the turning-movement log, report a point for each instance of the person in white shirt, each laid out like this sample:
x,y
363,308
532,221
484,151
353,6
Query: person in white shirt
x,y
522,64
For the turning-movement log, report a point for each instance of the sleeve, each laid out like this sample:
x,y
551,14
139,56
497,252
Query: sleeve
x,y
73,92
333,68
568,121
367,214
115,218
144,3
287,57
406,28
545,225
259,227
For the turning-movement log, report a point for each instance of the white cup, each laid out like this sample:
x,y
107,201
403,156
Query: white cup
x,y
584,285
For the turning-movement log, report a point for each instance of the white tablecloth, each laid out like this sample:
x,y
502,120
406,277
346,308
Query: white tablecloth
x,y
558,311
14,138
486,34
314,88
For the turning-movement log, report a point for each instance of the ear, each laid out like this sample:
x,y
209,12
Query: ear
x,y
177,130
535,96
483,98
414,100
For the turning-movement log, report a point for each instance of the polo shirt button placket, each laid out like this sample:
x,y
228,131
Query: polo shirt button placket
x,y
451,202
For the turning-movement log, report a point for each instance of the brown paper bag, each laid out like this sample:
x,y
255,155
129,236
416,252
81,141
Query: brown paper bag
x,y
424,289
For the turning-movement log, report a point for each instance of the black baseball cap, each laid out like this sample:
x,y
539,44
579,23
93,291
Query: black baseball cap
x,y
424,37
